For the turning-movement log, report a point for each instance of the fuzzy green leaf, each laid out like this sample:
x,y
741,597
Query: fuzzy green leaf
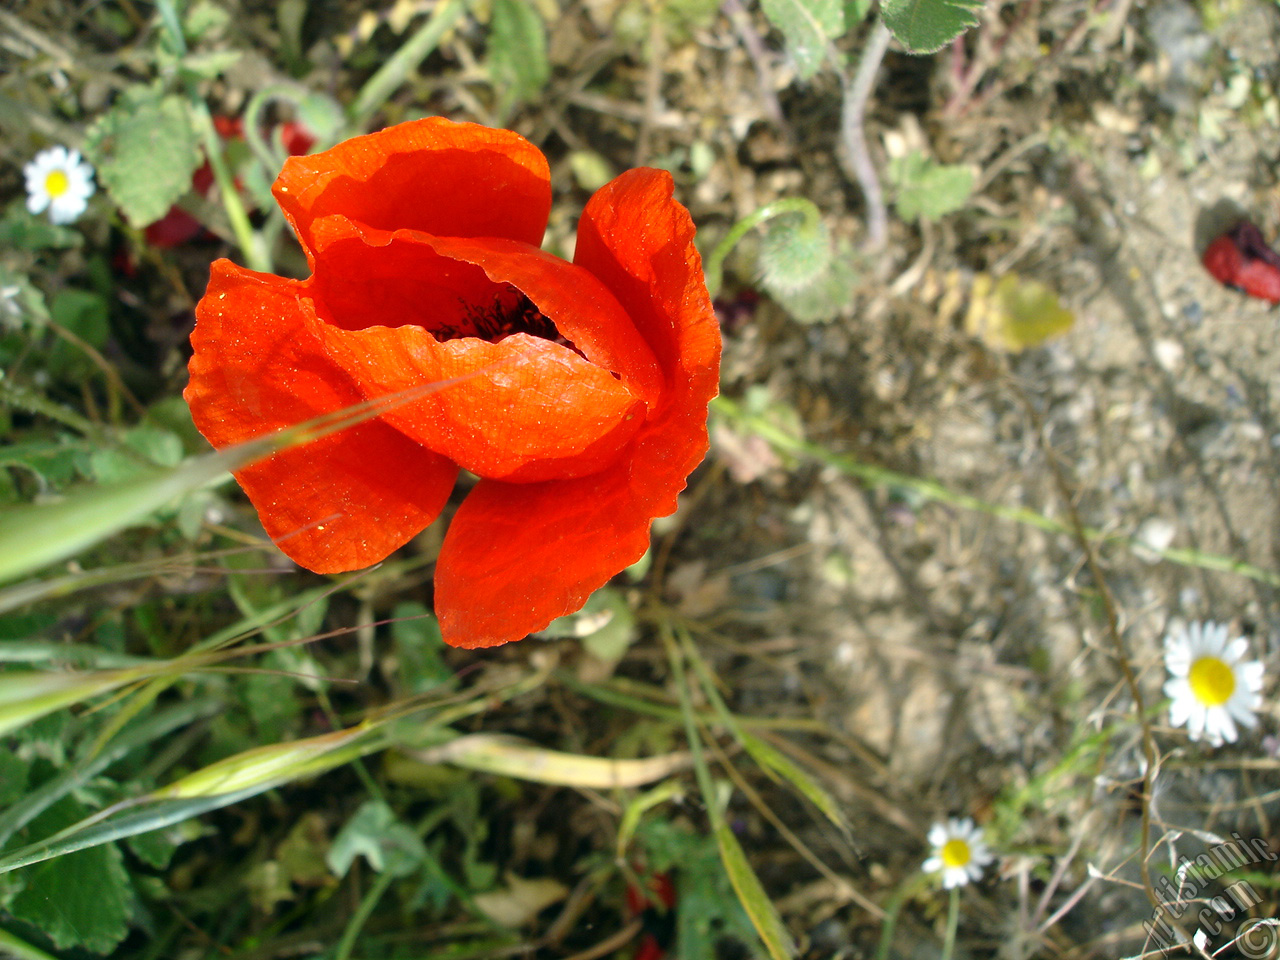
x,y
924,26
808,26
928,189
374,833
78,900
145,150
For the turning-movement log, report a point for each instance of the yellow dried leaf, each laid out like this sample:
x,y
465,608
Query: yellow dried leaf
x,y
1013,314
520,901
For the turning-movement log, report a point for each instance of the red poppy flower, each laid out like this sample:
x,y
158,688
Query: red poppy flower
x,y
585,385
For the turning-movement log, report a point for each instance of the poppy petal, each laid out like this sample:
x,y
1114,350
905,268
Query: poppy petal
x,y
368,278
582,308
525,408
637,239
373,277
529,409
518,555
515,557
435,175
342,502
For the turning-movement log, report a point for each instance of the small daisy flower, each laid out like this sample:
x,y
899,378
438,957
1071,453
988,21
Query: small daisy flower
x,y
1211,685
58,179
959,852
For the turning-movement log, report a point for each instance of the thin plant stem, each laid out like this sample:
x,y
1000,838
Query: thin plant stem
x,y
378,88
1120,654
875,476
270,158
855,158
250,244
953,923
715,262
755,48
892,908
358,919
11,946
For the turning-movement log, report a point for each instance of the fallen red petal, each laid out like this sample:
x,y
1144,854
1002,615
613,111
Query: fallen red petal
x,y
1241,259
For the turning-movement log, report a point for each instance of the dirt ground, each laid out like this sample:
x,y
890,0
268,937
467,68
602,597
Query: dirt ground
x,y
959,657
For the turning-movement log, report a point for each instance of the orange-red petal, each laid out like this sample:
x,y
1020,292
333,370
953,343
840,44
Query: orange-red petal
x,y
378,278
637,239
342,502
583,309
435,175
369,277
518,556
528,409
525,407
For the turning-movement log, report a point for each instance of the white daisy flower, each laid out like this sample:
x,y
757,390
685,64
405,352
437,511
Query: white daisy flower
x,y
959,852
1211,685
58,179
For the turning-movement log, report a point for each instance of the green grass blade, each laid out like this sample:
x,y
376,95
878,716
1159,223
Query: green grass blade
x,y
770,759
262,768
97,830
27,696
152,729
37,535
760,909
228,781
763,914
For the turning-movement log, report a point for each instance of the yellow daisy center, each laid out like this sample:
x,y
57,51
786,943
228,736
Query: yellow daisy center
x,y
955,853
56,183
1212,681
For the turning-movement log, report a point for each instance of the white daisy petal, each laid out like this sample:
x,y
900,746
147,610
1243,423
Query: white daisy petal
x,y
1211,686
58,180
959,852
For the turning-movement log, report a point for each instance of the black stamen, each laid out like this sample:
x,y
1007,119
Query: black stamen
x,y
510,313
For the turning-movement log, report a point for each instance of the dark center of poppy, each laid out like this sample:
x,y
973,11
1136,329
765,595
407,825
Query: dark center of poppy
x,y
508,313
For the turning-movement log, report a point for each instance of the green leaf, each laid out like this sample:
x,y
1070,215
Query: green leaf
x,y
605,624
146,447
808,25
204,17
707,910
13,777
82,312
374,833
208,66
924,26
828,295
518,60
78,900
145,150
55,462
855,11
154,849
419,648
928,189
24,230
